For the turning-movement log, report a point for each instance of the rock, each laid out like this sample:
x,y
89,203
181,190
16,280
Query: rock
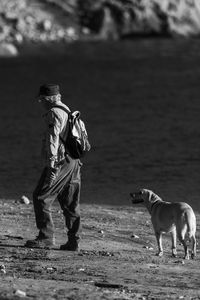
x,y
71,33
109,27
105,253
21,26
3,269
47,25
60,33
135,236
25,200
8,50
18,38
85,30
20,293
148,247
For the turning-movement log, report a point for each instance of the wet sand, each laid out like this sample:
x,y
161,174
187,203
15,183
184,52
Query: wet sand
x,y
117,258
140,102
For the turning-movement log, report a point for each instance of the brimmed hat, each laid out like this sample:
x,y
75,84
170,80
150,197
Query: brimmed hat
x,y
49,90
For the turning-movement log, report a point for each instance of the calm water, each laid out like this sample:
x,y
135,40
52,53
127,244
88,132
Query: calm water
x,y
141,104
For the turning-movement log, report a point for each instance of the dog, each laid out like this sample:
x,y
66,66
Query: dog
x,y
175,218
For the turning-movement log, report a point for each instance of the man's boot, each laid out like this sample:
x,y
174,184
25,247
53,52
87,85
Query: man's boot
x,y
71,245
42,243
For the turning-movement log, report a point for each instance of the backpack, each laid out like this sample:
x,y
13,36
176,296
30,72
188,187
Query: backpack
x,y
76,143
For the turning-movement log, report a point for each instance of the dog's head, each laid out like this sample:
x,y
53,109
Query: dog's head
x,y
140,196
147,197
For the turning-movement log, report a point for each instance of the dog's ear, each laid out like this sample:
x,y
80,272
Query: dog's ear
x,y
153,197
150,194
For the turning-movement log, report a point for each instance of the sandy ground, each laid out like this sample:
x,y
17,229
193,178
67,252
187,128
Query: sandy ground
x,y
116,261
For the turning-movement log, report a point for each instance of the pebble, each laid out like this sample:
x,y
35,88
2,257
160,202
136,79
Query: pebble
x,y
20,293
148,247
135,236
3,269
49,269
25,200
81,270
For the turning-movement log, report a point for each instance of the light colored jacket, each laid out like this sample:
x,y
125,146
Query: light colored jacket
x,y
53,150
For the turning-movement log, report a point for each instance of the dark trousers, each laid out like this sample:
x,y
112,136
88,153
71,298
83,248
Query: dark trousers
x,y
66,189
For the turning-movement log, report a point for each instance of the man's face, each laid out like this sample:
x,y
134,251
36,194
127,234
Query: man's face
x,y
48,101
46,104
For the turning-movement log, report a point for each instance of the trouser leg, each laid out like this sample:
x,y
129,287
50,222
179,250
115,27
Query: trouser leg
x,y
42,201
69,200
67,189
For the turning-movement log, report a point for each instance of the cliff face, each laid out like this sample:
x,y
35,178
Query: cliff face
x,y
54,20
129,17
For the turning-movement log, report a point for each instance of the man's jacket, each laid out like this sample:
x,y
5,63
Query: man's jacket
x,y
53,150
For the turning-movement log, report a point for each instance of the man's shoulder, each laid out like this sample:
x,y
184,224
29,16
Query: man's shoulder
x,y
60,107
60,110
57,112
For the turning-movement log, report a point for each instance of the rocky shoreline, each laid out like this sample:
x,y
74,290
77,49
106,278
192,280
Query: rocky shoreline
x,y
47,21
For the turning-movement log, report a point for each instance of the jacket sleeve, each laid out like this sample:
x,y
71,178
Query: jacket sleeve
x,y
52,137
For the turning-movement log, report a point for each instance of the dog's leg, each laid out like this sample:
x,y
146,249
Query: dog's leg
x,y
181,237
159,242
173,235
193,254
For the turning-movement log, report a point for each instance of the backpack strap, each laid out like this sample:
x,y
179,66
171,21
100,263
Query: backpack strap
x,y
65,110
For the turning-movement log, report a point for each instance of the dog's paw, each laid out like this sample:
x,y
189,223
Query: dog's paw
x,y
160,253
174,253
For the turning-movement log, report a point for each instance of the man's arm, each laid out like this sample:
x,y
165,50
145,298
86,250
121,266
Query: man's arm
x,y
53,133
52,142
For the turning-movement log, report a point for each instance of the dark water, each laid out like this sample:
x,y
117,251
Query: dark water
x,y
141,104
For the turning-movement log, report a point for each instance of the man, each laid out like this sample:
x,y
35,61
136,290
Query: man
x,y
60,178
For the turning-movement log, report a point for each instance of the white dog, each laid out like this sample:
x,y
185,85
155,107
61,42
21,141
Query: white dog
x,y
177,218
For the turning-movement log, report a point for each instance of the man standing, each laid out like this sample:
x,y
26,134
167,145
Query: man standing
x,y
60,178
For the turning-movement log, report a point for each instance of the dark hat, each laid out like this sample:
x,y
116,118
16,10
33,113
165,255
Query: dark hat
x,y
49,89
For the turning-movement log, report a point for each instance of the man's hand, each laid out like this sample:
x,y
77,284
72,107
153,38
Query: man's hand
x,y
51,176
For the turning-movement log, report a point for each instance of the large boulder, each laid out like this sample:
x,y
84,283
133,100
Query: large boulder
x,y
118,18
8,50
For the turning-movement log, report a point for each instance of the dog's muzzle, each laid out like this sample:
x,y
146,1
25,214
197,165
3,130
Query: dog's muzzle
x,y
135,198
